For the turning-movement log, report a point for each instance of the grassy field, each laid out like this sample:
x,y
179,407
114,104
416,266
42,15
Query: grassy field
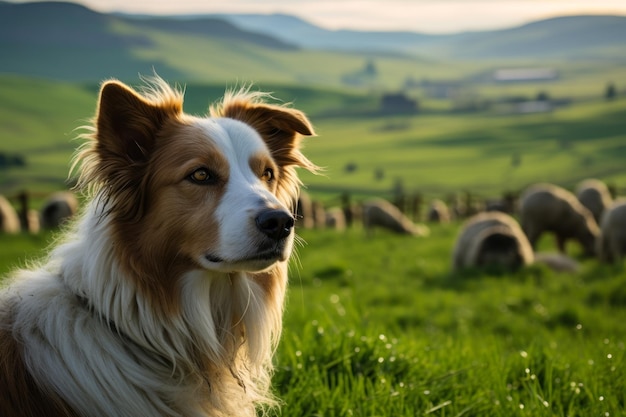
x,y
486,154
436,152
381,327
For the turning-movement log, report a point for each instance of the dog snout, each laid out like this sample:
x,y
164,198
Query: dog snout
x,y
275,224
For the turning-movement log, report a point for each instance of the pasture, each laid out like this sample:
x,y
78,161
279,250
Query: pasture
x,y
381,327
434,152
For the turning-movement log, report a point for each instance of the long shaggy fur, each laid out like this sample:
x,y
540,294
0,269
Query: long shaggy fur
x,y
122,318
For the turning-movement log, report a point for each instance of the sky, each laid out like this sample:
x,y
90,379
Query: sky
x,y
429,16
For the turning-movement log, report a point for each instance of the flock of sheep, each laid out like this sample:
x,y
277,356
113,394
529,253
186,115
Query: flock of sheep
x,y
493,236
56,210
590,216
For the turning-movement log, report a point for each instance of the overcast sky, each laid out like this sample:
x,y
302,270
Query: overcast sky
x,y
432,16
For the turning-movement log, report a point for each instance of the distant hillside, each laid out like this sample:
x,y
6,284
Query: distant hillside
x,y
574,37
562,37
307,35
68,41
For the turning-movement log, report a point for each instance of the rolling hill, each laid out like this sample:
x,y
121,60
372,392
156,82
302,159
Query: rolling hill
x,y
570,37
67,41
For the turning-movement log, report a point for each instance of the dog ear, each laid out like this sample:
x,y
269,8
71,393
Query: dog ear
x,y
127,123
126,128
280,128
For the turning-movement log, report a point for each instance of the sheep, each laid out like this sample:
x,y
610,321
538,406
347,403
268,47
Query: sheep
x,y
557,262
611,247
381,213
595,195
58,209
9,221
438,212
491,239
550,208
336,219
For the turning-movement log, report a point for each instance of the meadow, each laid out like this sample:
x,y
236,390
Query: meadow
x,y
435,152
381,327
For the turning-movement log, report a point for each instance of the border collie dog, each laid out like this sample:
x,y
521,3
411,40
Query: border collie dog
x,y
165,295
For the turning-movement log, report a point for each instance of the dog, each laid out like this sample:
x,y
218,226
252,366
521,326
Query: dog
x,y
165,296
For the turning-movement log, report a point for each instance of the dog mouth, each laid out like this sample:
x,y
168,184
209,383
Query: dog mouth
x,y
257,261
263,256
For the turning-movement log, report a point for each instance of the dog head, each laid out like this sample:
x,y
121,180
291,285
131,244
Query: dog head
x,y
183,192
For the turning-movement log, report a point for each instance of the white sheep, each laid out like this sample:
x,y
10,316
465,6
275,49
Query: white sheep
x,y
595,195
491,239
9,221
612,243
58,209
381,213
438,212
336,219
550,208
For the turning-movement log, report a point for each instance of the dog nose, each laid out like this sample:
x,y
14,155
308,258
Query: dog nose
x,y
275,224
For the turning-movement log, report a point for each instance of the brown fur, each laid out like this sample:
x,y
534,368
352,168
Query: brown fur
x,y
137,161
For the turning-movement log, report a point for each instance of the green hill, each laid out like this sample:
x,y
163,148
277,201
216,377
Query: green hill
x,y
566,37
66,41
432,152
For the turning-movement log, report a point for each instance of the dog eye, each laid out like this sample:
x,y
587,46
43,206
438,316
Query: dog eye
x,y
202,176
268,175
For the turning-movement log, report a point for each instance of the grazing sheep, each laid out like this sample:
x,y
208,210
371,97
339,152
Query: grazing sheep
x,y
9,221
558,262
550,208
491,239
336,219
595,195
381,213
438,212
59,208
612,243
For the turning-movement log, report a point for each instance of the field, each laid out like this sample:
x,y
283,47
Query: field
x,y
435,152
381,327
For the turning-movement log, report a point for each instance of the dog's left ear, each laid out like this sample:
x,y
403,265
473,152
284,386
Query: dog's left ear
x,y
280,127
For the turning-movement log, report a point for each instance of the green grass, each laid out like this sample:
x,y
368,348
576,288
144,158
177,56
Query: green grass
x,y
434,152
380,327
441,154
